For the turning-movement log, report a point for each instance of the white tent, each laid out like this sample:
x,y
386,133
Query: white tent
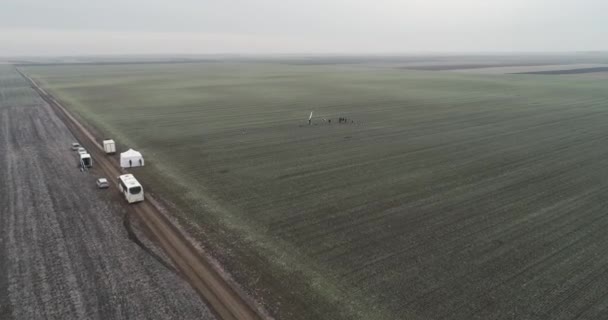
x,y
131,158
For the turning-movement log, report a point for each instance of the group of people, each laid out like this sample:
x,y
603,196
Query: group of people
x,y
140,163
340,120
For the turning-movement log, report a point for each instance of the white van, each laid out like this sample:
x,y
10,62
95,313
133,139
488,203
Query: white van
x,y
85,160
130,188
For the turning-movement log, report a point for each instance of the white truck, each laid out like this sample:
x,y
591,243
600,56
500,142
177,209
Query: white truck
x,y
109,146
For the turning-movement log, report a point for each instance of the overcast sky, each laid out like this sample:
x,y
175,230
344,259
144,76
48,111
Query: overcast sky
x,y
71,27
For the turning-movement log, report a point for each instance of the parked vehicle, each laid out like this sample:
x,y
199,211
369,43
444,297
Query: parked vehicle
x,y
75,146
81,150
130,188
85,160
109,146
102,183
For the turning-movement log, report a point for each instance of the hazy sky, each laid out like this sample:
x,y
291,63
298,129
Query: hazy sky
x,y
69,27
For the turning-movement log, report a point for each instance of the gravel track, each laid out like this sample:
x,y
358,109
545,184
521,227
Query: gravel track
x,y
65,253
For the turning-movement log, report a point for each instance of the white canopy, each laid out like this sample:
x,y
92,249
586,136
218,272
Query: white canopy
x,y
131,158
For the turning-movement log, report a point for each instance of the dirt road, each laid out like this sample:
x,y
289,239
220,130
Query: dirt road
x,y
64,253
227,301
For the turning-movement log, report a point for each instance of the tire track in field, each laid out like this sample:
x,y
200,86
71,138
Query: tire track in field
x,y
133,237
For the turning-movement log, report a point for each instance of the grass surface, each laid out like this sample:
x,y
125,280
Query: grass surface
x,y
449,195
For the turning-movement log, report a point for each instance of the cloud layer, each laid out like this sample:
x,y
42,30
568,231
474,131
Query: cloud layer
x,y
60,27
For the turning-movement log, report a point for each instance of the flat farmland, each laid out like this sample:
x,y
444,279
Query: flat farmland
x,y
444,196
64,250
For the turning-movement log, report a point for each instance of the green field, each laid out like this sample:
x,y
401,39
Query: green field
x,y
445,196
